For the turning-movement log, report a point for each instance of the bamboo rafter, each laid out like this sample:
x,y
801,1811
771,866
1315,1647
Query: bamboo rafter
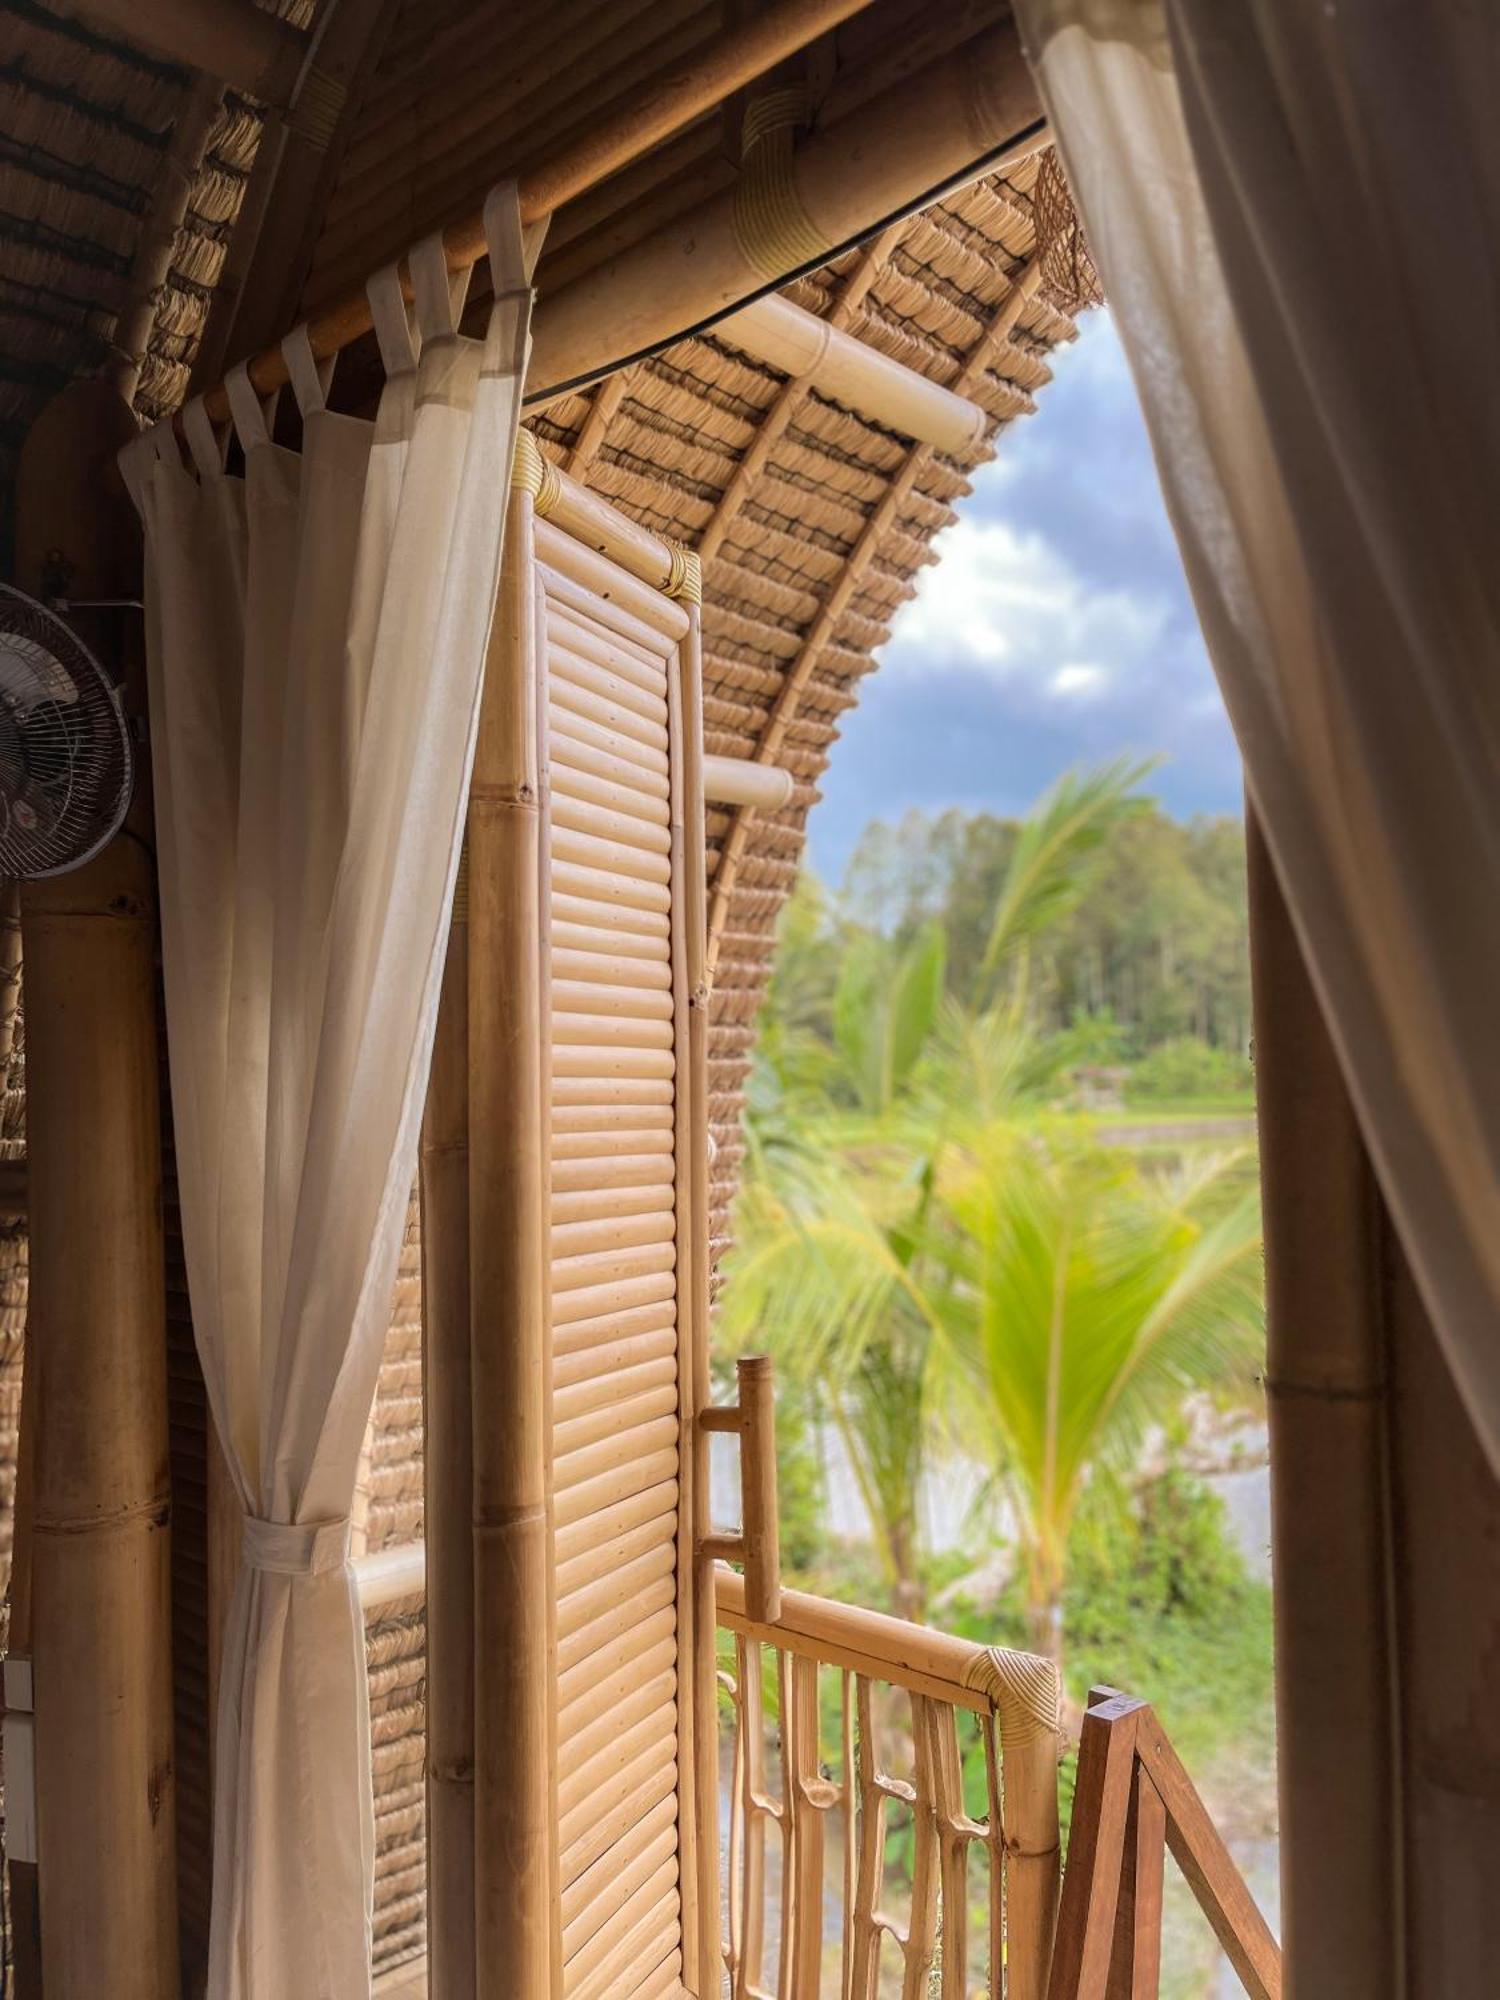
x,y
825,625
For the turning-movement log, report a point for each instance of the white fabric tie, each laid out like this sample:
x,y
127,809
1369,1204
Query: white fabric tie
x,y
295,1548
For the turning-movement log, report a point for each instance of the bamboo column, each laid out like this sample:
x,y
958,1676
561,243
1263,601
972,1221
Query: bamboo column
x,y
448,1472
1327,1392
100,1594
517,1923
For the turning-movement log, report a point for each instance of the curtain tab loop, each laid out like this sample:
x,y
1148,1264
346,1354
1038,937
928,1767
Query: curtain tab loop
x,y
513,250
310,377
208,445
252,414
393,328
295,1548
438,293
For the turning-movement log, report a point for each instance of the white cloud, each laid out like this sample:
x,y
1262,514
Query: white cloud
x,y
1011,603
1079,679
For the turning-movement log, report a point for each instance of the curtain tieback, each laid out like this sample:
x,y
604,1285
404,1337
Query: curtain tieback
x,y
294,1548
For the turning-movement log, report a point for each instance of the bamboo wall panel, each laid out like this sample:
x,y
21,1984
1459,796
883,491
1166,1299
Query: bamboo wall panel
x,y
616,1325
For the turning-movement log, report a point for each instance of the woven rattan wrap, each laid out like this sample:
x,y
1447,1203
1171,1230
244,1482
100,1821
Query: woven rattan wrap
x,y
1068,274
1026,1691
771,225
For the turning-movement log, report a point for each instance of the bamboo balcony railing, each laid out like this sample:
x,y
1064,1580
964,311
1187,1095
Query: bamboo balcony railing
x,y
898,1686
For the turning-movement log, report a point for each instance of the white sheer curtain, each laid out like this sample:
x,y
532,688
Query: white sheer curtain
x,y
1296,213
316,634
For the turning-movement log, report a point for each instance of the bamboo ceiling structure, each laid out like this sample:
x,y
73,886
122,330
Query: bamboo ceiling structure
x,y
123,177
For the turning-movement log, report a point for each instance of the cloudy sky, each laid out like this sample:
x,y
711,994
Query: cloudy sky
x,y
1054,629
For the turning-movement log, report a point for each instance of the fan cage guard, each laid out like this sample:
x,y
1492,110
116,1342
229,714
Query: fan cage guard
x,y
65,752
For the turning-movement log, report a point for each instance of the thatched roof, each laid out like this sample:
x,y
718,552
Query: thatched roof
x,y
816,522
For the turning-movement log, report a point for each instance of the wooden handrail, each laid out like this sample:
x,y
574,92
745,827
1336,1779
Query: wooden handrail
x,y
1134,1801
885,1649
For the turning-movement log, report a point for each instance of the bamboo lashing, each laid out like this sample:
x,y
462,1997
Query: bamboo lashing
x,y
744,52
793,686
757,1545
969,106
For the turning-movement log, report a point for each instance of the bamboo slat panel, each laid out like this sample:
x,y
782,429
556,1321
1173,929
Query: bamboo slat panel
x,y
614,1267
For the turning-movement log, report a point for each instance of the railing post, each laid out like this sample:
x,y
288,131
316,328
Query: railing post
x,y
758,1544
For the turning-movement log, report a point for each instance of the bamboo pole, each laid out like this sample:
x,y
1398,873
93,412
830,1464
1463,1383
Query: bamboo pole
x,y
963,109
100,1537
701,1694
448,1478
1332,1550
745,51
846,370
517,1928
821,633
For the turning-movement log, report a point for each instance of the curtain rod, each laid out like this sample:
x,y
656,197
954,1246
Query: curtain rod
x,y
664,107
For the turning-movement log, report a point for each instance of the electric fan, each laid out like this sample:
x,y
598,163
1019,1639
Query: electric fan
x,y
65,761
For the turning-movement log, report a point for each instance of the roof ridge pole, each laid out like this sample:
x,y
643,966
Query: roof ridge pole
x,y
663,106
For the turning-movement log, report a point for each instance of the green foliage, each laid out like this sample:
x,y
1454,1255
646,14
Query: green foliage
x,y
1186,1069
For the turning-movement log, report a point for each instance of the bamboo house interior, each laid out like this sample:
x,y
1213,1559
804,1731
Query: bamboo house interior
x,y
378,997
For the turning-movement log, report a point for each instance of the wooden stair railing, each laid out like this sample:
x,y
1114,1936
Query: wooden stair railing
x,y
1015,1698
1132,1803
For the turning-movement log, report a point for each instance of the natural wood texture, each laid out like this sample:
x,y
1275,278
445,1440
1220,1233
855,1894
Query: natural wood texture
x,y
99,1525
448,1464
966,108
664,106
757,1545
1131,1795
516,1922
232,40
846,370
792,688
738,781
1328,1408
853,1783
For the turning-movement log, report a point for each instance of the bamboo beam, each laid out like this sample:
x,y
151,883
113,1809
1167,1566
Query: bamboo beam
x,y
965,109
517,1947
740,781
744,52
232,40
825,625
793,394
448,1483
96,1351
849,371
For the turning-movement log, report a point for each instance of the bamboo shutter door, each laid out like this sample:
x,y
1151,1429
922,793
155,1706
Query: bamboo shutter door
x,y
606,648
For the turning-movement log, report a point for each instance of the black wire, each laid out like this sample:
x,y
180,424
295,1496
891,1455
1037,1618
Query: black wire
x,y
920,202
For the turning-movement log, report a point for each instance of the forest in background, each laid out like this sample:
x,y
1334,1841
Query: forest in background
x,y
961,1259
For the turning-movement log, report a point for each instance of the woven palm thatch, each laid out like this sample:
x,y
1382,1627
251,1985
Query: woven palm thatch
x,y
814,522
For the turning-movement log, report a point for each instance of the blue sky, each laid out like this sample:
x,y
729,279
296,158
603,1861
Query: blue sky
x,y
1054,629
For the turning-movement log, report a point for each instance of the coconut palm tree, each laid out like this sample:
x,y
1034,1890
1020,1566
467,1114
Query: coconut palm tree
x,y
1079,1298
846,1137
